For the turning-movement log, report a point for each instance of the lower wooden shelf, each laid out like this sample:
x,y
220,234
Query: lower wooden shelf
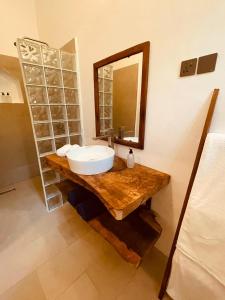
x,y
133,236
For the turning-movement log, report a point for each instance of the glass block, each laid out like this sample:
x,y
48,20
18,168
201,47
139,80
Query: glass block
x,y
50,57
33,75
55,95
108,99
100,84
102,124
71,96
40,113
101,111
30,52
45,146
107,85
108,124
75,139
69,79
101,99
37,95
108,72
49,177
59,128
73,112
44,164
68,61
59,142
74,126
42,130
53,77
107,111
52,191
100,72
58,112
55,201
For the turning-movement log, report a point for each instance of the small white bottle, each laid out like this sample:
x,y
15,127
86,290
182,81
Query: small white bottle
x,y
130,159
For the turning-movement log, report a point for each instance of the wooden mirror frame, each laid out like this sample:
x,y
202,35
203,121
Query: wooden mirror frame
x,y
140,48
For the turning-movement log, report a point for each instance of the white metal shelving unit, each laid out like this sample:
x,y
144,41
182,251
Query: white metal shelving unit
x,y
52,85
105,87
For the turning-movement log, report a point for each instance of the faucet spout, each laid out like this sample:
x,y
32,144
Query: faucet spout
x,y
110,137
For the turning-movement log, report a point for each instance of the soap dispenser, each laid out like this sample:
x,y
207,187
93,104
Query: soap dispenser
x,y
130,159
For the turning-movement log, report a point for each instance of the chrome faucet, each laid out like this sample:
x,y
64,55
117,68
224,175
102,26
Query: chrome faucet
x,y
110,136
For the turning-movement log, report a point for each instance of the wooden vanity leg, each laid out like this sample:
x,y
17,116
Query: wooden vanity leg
x,y
148,204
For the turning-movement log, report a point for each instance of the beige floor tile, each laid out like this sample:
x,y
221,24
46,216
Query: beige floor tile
x,y
19,209
19,259
96,243
145,284
58,273
73,229
140,288
81,289
27,289
110,274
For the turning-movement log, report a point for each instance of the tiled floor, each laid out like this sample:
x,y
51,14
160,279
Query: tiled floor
x,y
58,256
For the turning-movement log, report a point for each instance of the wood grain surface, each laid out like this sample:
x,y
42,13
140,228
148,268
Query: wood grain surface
x,y
121,190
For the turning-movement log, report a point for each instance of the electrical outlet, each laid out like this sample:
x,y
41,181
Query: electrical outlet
x,y
207,63
188,67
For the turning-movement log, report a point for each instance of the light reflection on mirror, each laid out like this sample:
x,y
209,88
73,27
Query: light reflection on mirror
x,y
119,85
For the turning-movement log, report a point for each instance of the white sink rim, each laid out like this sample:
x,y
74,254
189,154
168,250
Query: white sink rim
x,y
91,166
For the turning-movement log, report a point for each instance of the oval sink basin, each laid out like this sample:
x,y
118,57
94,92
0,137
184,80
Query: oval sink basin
x,y
90,160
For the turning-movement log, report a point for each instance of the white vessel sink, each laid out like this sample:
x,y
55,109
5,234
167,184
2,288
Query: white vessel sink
x,y
90,160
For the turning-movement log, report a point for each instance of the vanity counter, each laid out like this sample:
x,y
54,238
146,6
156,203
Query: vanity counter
x,y
121,190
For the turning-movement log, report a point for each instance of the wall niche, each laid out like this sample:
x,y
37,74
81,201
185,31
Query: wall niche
x,y
10,89
11,85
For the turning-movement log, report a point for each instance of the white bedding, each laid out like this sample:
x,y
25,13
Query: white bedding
x,y
200,254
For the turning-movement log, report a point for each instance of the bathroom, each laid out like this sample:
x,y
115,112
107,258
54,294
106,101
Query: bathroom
x,y
38,249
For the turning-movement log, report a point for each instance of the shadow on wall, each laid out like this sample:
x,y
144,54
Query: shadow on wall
x,y
18,159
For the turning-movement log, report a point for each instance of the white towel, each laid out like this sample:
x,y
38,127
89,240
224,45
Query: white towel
x,y
202,234
65,149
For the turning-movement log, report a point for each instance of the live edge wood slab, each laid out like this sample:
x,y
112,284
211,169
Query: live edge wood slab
x,y
121,190
130,228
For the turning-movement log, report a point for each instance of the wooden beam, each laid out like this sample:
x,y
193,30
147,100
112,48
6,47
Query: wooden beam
x,y
190,185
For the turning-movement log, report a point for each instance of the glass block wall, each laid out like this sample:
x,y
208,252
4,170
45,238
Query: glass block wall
x,y
51,81
105,88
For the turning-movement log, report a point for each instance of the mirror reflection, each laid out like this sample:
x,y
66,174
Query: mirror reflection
x,y
119,87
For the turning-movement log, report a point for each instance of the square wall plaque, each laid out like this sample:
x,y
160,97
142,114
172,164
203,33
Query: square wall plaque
x,y
207,63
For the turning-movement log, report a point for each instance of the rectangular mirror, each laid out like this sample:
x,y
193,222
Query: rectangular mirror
x,y
120,83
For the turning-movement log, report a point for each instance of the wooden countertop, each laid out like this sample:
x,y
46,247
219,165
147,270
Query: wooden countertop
x,y
121,190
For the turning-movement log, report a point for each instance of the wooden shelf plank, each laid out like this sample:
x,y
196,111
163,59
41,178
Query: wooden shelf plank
x,y
132,237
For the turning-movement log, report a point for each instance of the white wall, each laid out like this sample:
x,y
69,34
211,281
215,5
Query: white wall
x,y
177,30
18,19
